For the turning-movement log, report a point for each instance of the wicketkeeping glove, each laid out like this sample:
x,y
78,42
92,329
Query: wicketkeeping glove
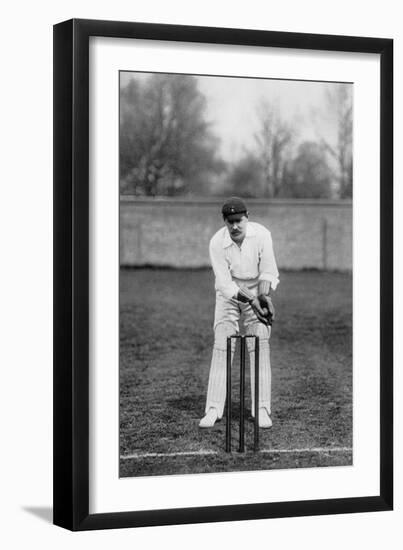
x,y
260,312
267,306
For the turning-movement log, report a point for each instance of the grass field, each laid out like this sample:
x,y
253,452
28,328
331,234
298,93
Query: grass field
x,y
166,341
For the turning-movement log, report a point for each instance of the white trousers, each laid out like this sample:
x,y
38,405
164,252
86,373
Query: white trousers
x,y
228,313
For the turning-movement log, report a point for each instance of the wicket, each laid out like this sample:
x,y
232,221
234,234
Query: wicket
x,y
242,362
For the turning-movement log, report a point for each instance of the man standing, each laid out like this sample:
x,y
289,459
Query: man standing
x,y
245,270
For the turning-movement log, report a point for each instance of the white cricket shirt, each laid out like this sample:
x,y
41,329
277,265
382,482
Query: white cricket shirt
x,y
235,266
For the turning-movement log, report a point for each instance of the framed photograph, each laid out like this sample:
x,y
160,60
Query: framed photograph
x,y
223,274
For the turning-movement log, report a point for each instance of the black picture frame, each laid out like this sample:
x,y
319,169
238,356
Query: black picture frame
x,y
72,285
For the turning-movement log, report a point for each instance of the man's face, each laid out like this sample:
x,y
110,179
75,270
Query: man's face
x,y
236,225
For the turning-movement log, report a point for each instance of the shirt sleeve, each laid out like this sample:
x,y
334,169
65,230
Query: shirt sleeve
x,y
267,266
223,279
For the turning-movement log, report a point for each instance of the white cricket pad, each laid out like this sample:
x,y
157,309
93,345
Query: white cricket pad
x,y
264,366
216,390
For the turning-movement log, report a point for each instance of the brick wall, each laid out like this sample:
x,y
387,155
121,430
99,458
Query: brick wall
x,y
176,232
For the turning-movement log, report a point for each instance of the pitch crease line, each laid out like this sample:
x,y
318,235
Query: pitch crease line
x,y
309,450
264,451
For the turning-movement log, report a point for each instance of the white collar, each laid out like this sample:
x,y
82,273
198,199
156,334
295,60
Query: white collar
x,y
227,241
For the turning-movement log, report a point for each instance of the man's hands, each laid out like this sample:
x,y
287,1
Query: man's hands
x,y
262,305
261,311
267,304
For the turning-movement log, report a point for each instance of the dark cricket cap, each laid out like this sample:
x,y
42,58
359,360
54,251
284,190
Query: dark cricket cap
x,y
233,205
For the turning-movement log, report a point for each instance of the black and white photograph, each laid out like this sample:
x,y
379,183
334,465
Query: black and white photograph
x,y
202,251
236,271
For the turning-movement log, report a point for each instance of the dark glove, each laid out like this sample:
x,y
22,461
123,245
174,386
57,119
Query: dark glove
x,y
267,306
259,311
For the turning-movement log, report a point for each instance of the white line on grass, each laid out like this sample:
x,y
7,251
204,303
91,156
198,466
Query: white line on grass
x,y
309,450
202,452
178,453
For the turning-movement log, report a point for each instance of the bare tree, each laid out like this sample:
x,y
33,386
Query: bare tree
x,y
339,107
308,174
246,177
166,145
273,139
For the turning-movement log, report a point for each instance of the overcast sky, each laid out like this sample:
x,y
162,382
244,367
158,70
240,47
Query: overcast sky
x,y
232,104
